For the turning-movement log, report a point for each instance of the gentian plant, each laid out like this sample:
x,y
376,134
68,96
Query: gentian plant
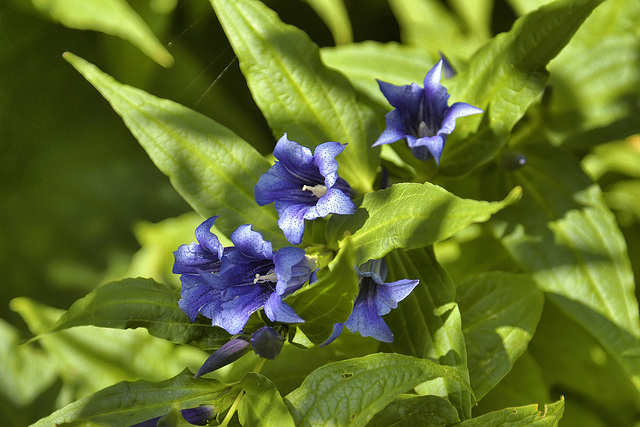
x,y
347,267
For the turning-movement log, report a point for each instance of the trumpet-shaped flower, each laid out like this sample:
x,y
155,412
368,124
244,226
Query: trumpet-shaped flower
x,y
251,276
202,256
375,299
304,186
422,116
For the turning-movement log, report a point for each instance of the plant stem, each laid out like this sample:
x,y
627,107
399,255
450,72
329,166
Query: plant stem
x,y
234,405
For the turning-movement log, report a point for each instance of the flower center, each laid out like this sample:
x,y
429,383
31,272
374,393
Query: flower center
x,y
317,190
423,130
269,277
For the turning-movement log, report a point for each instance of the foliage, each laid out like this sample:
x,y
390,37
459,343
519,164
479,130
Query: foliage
x,y
524,240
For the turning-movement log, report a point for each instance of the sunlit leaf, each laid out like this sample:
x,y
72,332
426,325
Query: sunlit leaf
x,y
351,392
211,167
505,77
530,415
92,358
427,324
410,216
128,403
330,300
262,404
410,410
500,312
335,15
140,303
563,233
296,92
113,17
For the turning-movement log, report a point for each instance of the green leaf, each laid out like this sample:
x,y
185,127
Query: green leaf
x,y
128,403
262,404
351,392
296,92
409,216
335,15
431,24
427,324
505,77
114,17
367,61
579,374
330,300
500,312
140,303
410,410
212,168
525,383
563,233
596,79
25,369
528,415
92,358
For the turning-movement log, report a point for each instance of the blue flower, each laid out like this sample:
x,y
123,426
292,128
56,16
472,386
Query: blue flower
x,y
251,276
202,256
422,116
266,343
198,416
304,186
375,299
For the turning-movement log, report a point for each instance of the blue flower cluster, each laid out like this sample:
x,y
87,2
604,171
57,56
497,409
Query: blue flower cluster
x,y
229,284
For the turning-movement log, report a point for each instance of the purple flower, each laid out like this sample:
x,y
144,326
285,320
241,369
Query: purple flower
x,y
375,299
202,256
251,276
304,186
199,416
422,116
266,343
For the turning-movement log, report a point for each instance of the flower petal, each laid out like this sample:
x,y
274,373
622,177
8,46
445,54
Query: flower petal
x,y
325,159
291,220
388,295
194,294
404,98
279,311
292,268
458,109
251,243
434,144
335,201
207,239
337,330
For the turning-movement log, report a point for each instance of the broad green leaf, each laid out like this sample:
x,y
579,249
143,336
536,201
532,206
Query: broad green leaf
x,y
114,17
296,92
430,24
596,79
524,384
351,392
330,299
579,374
335,15
25,369
410,410
500,312
505,77
367,61
262,404
140,303
566,237
212,168
92,358
127,403
522,7
530,415
427,324
619,157
409,216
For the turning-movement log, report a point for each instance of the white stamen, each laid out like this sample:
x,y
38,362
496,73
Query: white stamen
x,y
423,130
269,277
317,190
